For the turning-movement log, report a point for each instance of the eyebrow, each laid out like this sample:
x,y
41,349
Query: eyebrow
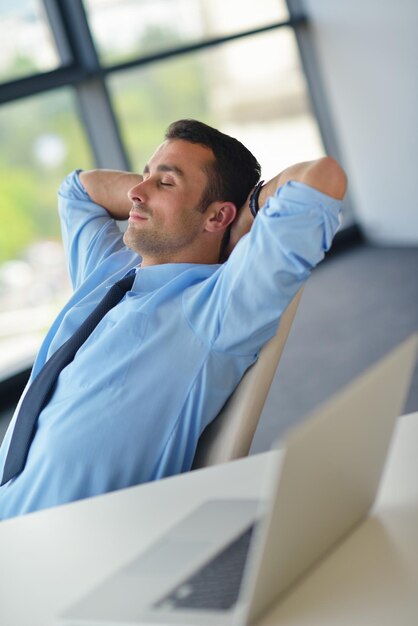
x,y
166,168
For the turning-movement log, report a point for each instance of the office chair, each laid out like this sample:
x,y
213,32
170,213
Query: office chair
x,y
230,434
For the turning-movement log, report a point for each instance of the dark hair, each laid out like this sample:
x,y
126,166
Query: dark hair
x,y
233,173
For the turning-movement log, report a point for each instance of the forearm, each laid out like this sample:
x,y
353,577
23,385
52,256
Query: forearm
x,y
109,188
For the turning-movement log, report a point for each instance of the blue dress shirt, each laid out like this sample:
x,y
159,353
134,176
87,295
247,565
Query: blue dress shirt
x,y
159,366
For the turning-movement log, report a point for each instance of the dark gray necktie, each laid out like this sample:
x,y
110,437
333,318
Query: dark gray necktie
x,y
42,386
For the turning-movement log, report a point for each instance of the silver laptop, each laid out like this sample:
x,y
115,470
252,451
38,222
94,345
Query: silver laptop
x,y
228,561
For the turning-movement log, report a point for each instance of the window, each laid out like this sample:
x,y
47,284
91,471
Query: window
x,y
124,29
264,105
26,41
34,158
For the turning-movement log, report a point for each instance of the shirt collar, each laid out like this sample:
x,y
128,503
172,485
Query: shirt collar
x,y
155,276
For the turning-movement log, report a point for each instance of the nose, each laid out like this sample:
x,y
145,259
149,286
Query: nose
x,y
137,193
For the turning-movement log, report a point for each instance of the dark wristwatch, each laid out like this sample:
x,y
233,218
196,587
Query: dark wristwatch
x,y
254,206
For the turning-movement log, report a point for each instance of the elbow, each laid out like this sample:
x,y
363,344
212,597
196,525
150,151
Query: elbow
x,y
327,175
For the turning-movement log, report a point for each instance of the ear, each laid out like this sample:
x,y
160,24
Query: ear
x,y
219,216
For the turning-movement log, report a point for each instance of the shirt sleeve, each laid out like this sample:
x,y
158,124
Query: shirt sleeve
x,y
89,234
239,307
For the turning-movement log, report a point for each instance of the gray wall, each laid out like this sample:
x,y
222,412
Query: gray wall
x,y
367,51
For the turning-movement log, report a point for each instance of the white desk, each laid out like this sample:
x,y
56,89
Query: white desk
x,y
49,559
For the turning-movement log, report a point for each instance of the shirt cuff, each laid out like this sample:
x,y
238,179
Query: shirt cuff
x,y
71,187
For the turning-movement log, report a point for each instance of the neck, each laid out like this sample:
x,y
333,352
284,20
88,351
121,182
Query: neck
x,y
205,255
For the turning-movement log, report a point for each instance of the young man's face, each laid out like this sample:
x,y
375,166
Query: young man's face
x,y
165,224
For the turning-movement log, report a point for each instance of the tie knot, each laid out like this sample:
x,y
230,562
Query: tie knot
x,y
125,284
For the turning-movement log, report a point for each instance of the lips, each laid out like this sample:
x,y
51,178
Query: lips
x,y
135,216
138,213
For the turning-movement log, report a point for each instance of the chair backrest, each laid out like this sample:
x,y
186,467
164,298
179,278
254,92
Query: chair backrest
x,y
230,434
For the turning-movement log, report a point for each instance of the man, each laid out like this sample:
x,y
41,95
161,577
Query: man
x,y
160,364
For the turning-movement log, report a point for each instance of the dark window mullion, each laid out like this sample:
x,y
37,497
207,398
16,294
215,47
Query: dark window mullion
x,y
59,32
93,98
38,83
